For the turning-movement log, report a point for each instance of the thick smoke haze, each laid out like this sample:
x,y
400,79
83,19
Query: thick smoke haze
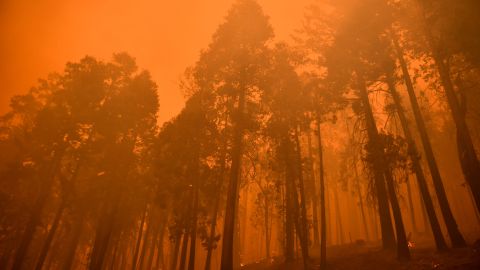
x,y
38,37
239,134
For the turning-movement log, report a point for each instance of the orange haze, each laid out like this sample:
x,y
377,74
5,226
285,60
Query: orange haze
x,y
38,37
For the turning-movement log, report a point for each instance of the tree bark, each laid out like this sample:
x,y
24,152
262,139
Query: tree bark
x,y
186,236
213,222
150,224
415,158
103,235
410,204
267,229
450,222
139,239
289,227
36,212
388,238
316,233
183,253
176,248
473,176
403,253
301,185
158,241
360,198
233,186
193,229
290,181
72,246
323,219
340,232
50,236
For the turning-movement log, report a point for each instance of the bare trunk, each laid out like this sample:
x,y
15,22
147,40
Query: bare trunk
x,y
113,260
299,228
450,222
139,239
410,204
316,234
289,227
50,236
183,254
388,238
232,192
174,256
103,236
403,253
186,236
415,158
213,224
150,224
36,213
267,229
360,198
73,244
323,220
193,229
303,206
159,260
340,232
154,242
468,151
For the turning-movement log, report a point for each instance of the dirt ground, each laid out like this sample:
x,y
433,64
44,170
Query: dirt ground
x,y
350,257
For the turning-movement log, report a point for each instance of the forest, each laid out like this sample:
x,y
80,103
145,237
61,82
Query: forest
x,y
353,146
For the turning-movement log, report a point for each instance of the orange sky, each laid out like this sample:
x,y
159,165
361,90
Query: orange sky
x,y
38,37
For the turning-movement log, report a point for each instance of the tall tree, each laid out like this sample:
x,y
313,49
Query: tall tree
x,y
232,65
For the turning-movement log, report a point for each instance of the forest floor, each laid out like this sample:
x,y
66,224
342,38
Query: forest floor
x,y
363,257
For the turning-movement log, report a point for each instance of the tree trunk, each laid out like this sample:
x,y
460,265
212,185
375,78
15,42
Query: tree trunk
x,y
139,239
303,205
360,198
340,232
176,248
193,229
183,254
290,178
36,212
50,236
415,158
233,186
8,249
289,227
159,261
388,238
113,260
461,147
213,222
154,240
103,235
218,191
316,234
373,219
29,232
186,236
410,204
473,167
403,253
72,246
323,219
452,228
150,224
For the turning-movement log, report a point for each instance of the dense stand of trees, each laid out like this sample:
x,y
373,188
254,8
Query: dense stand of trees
x,y
281,151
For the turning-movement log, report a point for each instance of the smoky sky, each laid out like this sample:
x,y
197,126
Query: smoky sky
x,y
39,37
